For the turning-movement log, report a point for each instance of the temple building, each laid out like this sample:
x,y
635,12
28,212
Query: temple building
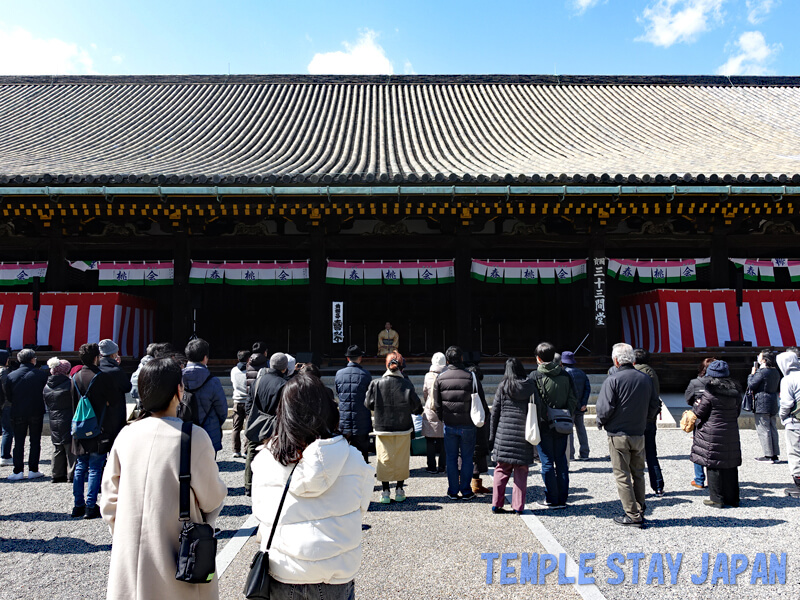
x,y
488,211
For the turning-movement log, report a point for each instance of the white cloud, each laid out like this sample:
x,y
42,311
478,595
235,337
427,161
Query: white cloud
x,y
117,58
753,56
581,6
757,10
23,54
667,22
365,57
408,68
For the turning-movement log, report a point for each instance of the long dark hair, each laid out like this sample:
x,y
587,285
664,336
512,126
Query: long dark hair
x,y
704,366
303,416
515,371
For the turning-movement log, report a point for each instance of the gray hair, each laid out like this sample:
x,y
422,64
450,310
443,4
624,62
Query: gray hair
x,y
623,354
25,356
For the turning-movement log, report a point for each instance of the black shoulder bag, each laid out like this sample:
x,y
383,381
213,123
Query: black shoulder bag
x,y
197,556
258,579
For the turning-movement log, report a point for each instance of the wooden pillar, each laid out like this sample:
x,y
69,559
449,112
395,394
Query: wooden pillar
x,y
462,301
56,280
181,294
599,310
720,273
320,317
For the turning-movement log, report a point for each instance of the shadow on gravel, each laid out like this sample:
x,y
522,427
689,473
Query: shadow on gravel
x,y
37,516
237,491
230,466
592,469
236,510
58,545
414,503
712,521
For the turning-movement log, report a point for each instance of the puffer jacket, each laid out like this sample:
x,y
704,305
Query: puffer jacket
x,y
318,538
432,427
135,377
452,397
105,399
393,400
255,364
509,414
789,365
211,401
351,387
716,432
58,398
765,384
695,389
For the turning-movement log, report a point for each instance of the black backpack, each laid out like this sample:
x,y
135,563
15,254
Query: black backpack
x,y
188,410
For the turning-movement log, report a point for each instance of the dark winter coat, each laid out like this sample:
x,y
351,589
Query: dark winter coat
x,y
23,389
261,418
695,389
716,432
210,398
626,402
555,389
452,397
104,398
393,400
255,363
117,417
765,384
509,414
583,389
58,398
351,387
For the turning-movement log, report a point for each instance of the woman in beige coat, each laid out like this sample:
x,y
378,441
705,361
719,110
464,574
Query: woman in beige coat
x,y
432,427
140,493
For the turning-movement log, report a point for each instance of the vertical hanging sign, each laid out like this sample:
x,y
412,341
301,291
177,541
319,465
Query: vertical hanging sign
x,y
338,322
599,286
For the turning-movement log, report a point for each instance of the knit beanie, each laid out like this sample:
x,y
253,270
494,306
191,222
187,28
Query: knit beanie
x,y
59,367
718,368
438,360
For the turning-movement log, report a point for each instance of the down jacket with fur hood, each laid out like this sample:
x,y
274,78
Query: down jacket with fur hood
x,y
318,539
716,434
790,388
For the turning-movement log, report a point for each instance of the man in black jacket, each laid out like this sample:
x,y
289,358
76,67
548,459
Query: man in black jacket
x,y
23,389
266,393
626,401
452,401
109,363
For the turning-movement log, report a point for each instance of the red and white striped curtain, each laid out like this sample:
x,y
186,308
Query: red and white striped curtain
x,y
671,320
67,320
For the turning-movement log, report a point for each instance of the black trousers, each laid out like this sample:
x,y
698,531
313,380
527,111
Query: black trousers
x,y
434,446
361,443
27,427
723,486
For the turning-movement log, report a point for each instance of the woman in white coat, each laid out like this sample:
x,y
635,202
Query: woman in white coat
x,y
140,493
316,551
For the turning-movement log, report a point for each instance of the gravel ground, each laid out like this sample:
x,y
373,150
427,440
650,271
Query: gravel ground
x,y
430,546
55,556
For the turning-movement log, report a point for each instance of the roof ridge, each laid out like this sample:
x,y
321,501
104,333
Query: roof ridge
x,y
497,79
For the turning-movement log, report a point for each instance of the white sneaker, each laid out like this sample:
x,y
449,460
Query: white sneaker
x,y
16,476
6,462
35,474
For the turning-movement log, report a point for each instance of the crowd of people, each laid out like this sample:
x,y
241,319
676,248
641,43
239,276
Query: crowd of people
x,y
302,445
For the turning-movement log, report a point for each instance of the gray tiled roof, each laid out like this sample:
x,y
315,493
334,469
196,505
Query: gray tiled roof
x,y
246,129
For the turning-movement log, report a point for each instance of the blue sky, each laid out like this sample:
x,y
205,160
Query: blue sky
x,y
636,37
